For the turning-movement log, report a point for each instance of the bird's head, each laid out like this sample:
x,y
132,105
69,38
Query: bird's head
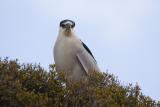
x,y
66,26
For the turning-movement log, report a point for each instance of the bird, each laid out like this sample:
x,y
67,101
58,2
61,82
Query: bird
x,y
71,55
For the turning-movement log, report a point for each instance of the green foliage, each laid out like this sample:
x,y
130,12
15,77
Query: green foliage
x,y
27,85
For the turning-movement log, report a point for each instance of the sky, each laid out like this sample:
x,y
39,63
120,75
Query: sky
x,y
123,35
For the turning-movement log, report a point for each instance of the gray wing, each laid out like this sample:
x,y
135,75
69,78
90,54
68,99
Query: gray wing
x,y
87,60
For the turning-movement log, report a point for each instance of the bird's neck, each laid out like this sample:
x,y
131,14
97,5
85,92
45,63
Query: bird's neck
x,y
67,34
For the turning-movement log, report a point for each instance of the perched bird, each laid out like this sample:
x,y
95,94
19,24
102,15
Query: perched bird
x,y
71,55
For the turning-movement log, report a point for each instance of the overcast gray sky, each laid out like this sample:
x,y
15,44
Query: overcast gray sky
x,y
123,35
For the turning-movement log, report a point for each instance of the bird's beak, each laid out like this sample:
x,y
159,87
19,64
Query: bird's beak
x,y
68,26
68,29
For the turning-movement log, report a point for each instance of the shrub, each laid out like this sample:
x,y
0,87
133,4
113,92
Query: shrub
x,y
28,85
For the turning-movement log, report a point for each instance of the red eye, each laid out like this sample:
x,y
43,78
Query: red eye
x,y
72,26
62,25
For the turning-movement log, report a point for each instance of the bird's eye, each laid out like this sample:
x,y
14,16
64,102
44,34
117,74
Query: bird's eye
x,y
72,26
62,25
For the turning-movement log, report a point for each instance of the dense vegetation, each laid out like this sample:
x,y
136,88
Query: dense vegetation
x,y
27,85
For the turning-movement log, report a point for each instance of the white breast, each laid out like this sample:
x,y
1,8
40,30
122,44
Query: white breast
x,y
65,53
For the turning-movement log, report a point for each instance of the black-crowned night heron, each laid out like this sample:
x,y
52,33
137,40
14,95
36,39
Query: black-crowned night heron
x,y
71,55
